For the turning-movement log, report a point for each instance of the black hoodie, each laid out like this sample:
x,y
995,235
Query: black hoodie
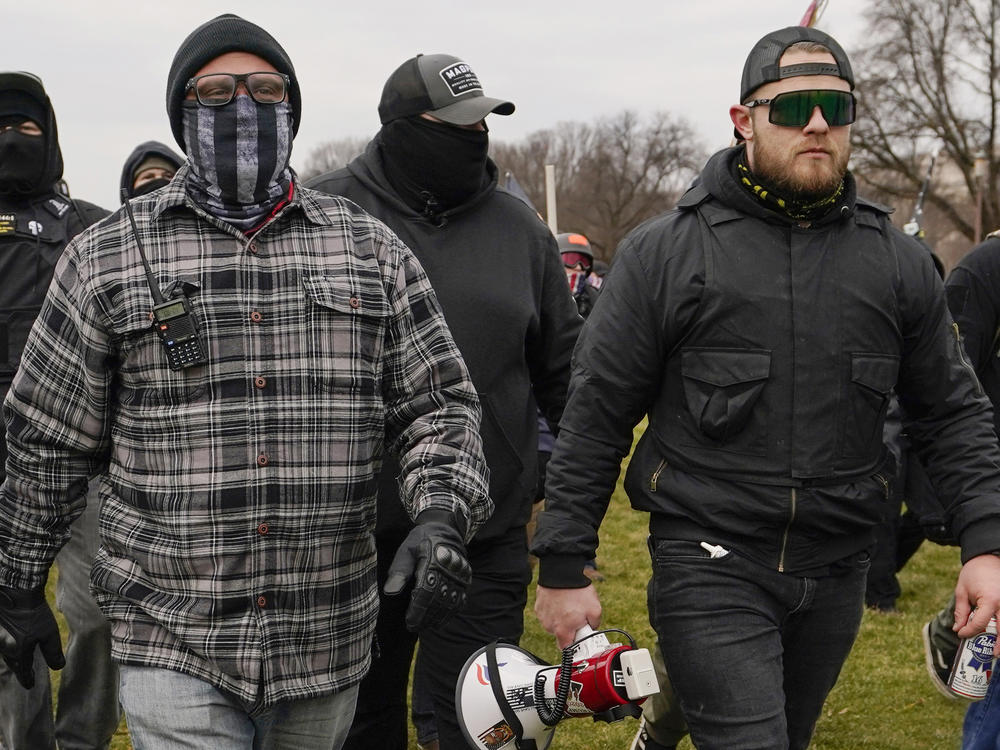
x,y
139,154
496,270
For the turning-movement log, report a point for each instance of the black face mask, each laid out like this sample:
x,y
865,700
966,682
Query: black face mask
x,y
434,166
22,160
149,186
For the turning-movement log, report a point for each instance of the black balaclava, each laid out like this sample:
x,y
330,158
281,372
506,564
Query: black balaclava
x,y
149,186
22,159
29,165
432,165
238,155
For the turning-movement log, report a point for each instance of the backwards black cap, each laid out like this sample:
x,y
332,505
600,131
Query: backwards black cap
x,y
225,33
762,63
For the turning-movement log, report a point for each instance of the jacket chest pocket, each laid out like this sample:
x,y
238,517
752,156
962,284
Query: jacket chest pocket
x,y
721,388
145,377
347,318
873,376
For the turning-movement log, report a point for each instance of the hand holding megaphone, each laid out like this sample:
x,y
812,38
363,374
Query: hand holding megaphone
x,y
563,612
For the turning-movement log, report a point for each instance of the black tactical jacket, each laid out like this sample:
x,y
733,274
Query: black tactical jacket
x,y
764,353
33,233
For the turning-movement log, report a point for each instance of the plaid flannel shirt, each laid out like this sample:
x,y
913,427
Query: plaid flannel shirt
x,y
238,496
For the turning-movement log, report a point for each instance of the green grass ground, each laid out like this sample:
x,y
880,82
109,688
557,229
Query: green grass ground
x,y
884,699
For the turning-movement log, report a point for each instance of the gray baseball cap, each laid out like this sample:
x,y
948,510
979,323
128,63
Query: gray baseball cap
x,y
762,63
440,85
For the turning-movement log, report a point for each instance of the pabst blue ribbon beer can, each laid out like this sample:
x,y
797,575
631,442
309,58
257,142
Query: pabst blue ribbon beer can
x,y
974,663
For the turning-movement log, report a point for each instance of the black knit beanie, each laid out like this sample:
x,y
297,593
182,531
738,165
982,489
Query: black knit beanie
x,y
226,33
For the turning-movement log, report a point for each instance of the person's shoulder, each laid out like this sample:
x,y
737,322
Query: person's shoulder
x,y
870,206
660,233
342,211
90,213
334,204
515,206
984,257
329,181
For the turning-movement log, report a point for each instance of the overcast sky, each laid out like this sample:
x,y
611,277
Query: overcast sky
x,y
104,64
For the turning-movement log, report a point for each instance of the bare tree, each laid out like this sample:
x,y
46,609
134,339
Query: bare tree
x,y
331,155
928,79
611,175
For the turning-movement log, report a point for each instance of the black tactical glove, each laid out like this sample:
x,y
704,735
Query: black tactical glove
x,y
27,621
433,556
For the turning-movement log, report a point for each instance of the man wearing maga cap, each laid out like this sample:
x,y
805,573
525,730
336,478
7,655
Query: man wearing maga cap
x,y
495,268
762,325
237,559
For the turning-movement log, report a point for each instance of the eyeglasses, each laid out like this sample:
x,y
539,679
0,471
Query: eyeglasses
x,y
572,258
218,89
794,109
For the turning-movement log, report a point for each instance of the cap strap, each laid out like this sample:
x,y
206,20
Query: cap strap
x,y
809,69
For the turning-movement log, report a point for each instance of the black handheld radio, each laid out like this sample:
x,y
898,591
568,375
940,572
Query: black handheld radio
x,y
173,319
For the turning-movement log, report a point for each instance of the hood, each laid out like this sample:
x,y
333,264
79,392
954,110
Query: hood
x,y
141,152
719,179
27,84
369,169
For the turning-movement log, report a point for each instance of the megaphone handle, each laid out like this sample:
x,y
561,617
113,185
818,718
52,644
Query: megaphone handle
x,y
583,632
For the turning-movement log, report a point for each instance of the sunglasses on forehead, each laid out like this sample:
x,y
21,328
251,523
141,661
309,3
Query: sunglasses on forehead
x,y
794,109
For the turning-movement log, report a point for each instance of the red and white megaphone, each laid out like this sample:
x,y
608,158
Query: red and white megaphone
x,y
506,694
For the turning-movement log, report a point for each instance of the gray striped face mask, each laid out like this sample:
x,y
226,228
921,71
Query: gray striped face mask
x,y
239,155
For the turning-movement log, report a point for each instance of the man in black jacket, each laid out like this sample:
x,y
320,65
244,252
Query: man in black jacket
x,y
497,274
37,220
762,325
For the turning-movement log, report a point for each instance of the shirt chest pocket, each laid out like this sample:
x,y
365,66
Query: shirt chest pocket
x,y
145,377
347,319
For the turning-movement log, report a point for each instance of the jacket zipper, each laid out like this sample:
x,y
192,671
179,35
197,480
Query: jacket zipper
x,y
966,363
656,475
885,485
788,529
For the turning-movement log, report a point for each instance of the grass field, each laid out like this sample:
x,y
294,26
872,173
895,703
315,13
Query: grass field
x,y
883,701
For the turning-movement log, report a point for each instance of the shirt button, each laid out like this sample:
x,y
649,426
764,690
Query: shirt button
x,y
252,247
262,529
256,317
355,302
259,382
262,459
261,602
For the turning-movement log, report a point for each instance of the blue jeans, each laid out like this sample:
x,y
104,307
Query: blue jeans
x,y
88,711
167,709
751,653
981,730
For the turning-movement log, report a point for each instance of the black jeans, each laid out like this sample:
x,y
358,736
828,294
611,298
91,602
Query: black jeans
x,y
495,610
751,653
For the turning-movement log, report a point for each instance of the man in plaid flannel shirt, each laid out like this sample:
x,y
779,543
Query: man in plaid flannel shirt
x,y
237,564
